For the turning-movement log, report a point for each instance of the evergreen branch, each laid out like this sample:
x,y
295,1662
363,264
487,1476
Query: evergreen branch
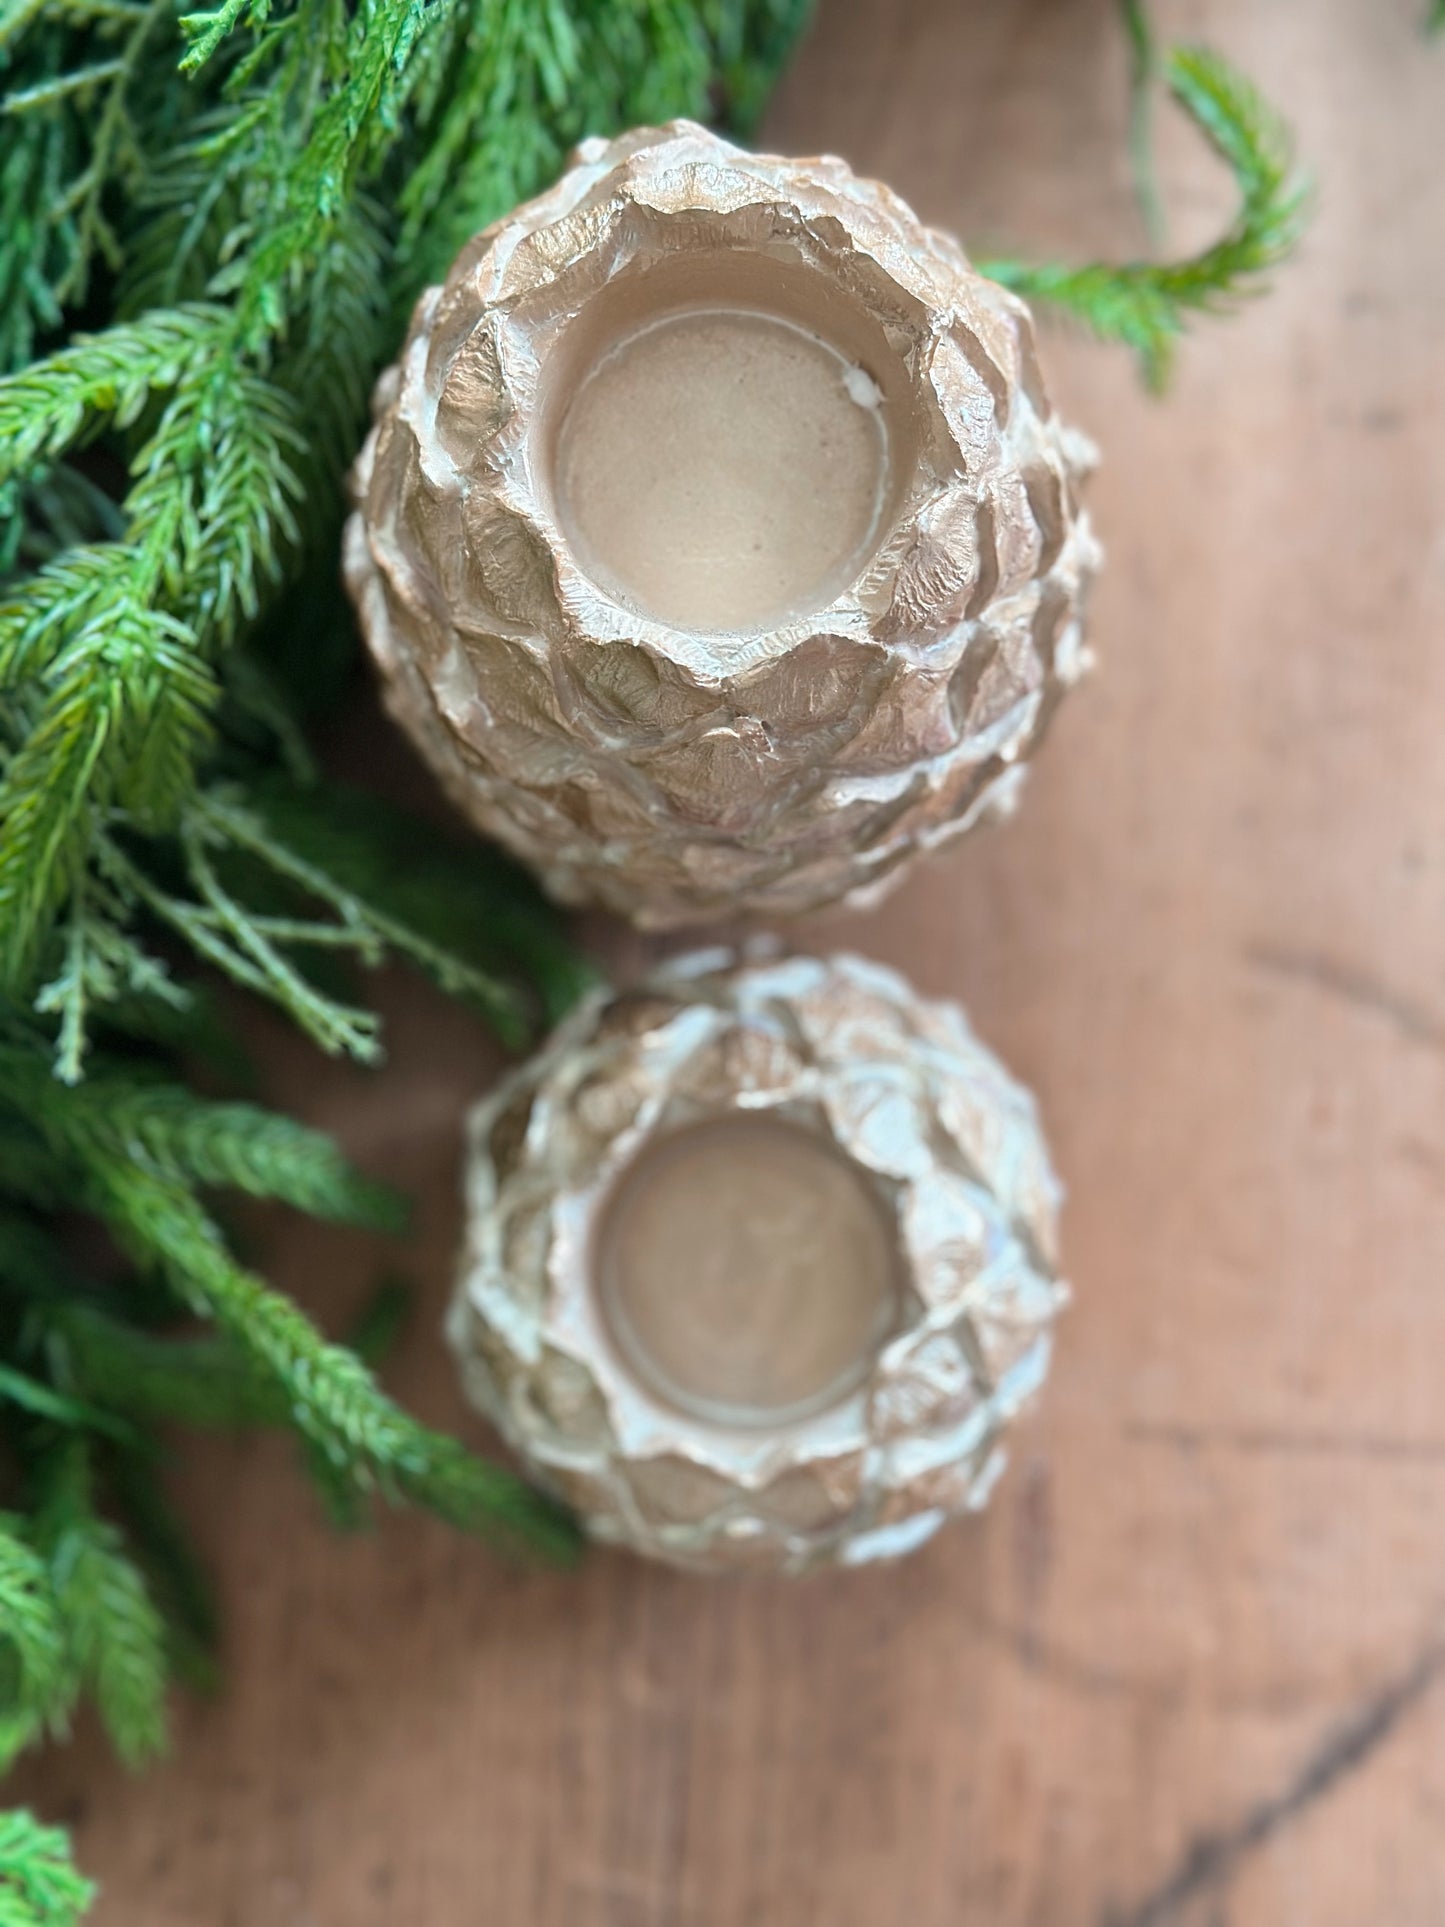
x,y
205,1383
45,93
16,16
334,1400
336,1027
530,81
373,927
182,1138
116,155
463,897
122,721
36,614
100,965
51,795
206,31
39,1886
41,242
47,407
213,508
308,196
115,1637
139,1180
1146,304
256,965
34,1665
125,714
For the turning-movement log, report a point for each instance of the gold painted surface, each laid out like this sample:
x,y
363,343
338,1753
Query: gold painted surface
x,y
672,774
928,1122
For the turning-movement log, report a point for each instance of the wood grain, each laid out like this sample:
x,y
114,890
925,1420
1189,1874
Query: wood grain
x,y
1187,1670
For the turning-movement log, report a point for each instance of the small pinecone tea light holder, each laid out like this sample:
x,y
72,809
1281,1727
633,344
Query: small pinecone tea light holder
x,y
716,540
760,1263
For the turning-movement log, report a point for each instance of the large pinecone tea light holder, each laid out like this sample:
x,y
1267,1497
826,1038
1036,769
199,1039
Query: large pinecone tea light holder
x,y
716,540
760,1263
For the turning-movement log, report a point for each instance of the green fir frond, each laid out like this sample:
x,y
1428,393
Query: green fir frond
x,y
41,250
115,1637
137,1171
89,91
47,407
166,1129
204,1383
206,31
335,1402
102,967
36,1680
1147,304
461,898
257,946
522,93
39,1884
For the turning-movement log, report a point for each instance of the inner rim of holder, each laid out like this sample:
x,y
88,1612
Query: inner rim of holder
x,y
725,438
746,1271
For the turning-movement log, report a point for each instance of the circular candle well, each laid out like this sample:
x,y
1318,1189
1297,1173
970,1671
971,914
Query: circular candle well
x,y
746,1271
724,453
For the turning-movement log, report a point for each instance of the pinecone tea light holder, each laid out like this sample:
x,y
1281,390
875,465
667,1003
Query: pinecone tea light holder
x,y
760,1263
716,540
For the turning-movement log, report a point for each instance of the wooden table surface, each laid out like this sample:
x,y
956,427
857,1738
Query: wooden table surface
x,y
1188,1669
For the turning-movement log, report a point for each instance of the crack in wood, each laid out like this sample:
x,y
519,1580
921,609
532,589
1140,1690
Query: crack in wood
x,y
1283,1441
1211,1859
1355,986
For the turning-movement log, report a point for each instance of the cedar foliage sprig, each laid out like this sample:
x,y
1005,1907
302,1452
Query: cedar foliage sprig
x,y
1148,304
